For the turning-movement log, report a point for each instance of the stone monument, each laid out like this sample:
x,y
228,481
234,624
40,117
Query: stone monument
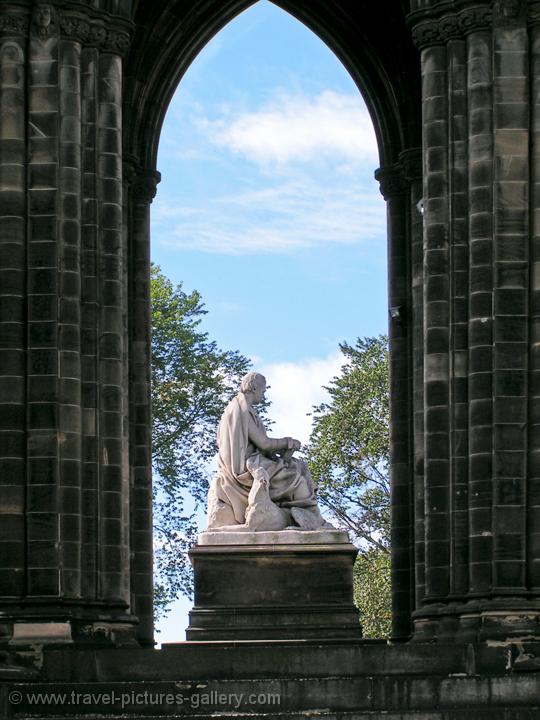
x,y
452,87
267,537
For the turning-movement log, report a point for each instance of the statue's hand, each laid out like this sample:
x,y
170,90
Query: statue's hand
x,y
287,456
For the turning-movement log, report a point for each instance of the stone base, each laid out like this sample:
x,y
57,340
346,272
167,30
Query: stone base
x,y
281,680
497,619
55,624
281,537
284,588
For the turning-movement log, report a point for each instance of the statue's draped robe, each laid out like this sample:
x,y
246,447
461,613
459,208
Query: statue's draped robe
x,y
233,480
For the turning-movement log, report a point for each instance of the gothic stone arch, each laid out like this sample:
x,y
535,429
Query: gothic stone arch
x,y
375,46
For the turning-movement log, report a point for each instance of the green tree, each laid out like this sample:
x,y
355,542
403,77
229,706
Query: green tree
x,y
348,454
372,592
192,381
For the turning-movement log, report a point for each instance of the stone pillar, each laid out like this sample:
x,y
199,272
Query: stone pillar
x,y
400,187
479,76
142,189
13,359
533,411
65,543
411,164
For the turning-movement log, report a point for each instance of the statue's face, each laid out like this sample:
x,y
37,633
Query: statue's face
x,y
258,395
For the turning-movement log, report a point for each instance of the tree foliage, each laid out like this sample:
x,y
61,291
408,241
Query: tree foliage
x,y
372,592
192,381
349,455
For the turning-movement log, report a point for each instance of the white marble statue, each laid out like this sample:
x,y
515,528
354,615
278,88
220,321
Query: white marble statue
x,y
259,485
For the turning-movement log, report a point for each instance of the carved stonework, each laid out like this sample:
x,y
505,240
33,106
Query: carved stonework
x,y
449,28
426,34
411,164
13,23
43,21
475,18
46,19
119,41
508,10
248,458
436,30
534,13
144,186
94,33
75,28
391,180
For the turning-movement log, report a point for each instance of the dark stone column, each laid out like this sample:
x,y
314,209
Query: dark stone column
x,y
480,171
64,478
480,534
511,109
411,170
89,327
142,189
533,414
458,316
13,359
396,191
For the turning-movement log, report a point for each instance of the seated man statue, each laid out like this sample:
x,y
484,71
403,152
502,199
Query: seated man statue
x,y
259,485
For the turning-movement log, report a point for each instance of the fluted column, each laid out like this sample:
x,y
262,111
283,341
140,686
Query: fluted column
x,y
411,170
14,359
64,485
142,189
395,186
480,535
533,272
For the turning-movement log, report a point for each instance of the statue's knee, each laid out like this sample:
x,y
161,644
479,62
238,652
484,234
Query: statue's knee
x,y
220,512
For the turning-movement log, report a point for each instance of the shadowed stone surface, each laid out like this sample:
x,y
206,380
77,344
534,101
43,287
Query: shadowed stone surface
x,y
269,679
282,591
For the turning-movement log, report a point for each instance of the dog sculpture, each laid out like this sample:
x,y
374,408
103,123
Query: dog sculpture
x,y
261,514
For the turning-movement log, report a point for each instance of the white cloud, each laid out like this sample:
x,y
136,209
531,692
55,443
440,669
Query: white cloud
x,y
299,213
295,388
291,128
313,185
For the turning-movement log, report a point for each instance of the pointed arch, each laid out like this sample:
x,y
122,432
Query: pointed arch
x,y
374,44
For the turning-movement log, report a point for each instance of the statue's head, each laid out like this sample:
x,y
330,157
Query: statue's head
x,y
253,383
43,20
44,16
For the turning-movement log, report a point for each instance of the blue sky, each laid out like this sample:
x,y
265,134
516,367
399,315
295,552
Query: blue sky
x,y
268,207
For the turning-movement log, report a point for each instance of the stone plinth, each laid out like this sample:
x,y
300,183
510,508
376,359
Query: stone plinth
x,y
261,586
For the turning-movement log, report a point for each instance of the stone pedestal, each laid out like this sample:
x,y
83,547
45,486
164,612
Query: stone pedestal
x,y
273,585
